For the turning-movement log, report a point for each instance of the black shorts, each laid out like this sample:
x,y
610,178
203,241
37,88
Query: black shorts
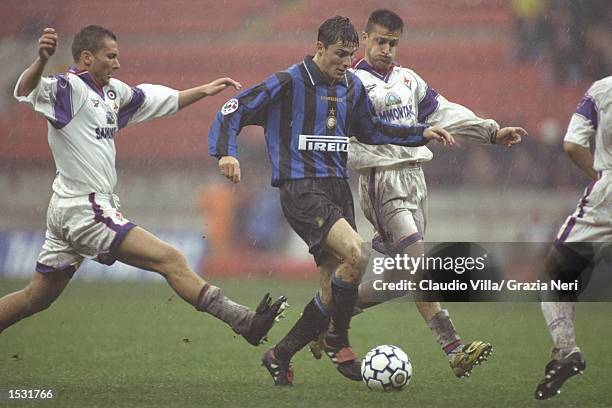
x,y
313,205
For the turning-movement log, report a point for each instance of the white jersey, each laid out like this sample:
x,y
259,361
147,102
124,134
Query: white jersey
x,y
593,117
83,120
402,97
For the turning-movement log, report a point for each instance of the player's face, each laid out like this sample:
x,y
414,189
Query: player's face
x,y
335,59
104,62
380,47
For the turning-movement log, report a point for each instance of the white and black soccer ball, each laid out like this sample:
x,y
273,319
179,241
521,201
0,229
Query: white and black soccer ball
x,y
386,368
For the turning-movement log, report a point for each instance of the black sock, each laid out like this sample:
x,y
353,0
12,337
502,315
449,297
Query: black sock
x,y
308,327
344,296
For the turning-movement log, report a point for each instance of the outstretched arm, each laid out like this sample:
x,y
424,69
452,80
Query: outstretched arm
x,y
189,96
47,44
509,136
582,157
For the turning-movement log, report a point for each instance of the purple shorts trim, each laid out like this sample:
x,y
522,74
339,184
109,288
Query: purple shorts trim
x,y
45,269
109,257
378,244
407,241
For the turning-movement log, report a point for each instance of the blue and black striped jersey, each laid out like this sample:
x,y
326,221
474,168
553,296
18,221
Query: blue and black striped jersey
x,y
307,122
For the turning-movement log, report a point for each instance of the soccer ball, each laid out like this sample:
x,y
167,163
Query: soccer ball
x,y
386,368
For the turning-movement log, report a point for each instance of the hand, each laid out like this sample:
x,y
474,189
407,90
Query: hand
x,y
47,43
510,136
218,85
230,167
439,134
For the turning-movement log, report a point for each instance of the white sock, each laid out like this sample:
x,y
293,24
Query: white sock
x,y
444,331
559,318
212,301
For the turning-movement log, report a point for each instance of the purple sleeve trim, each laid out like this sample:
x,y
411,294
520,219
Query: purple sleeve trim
x,y
62,105
44,269
127,111
587,109
428,105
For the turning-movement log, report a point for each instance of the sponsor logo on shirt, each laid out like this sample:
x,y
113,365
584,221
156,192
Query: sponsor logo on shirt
x,y
105,133
323,143
397,113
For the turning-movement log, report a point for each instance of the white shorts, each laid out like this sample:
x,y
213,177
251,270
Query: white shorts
x,y
395,202
592,220
81,227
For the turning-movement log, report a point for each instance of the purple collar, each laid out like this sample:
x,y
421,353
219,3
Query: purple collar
x,y
363,64
88,79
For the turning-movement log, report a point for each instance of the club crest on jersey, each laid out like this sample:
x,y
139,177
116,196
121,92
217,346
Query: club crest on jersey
x,y
392,99
110,94
230,106
331,119
408,83
95,102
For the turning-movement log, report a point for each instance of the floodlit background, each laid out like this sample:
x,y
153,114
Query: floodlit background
x,y
523,63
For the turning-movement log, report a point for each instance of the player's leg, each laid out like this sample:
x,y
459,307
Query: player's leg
x,y
56,264
312,208
313,322
395,202
573,251
37,296
346,244
144,250
566,357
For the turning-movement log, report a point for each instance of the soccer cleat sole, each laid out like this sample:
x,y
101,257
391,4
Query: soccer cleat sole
x,y
481,359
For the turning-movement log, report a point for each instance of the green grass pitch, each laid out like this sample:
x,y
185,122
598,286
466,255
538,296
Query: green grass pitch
x,y
138,345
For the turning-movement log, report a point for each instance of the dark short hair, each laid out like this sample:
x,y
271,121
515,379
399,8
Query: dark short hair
x,y
90,38
338,29
385,18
